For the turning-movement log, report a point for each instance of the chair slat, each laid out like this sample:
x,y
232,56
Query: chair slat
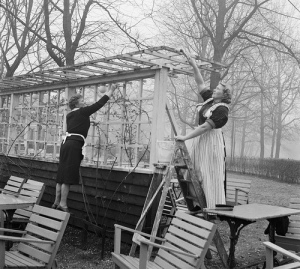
x,y
22,213
187,226
194,220
163,264
11,188
20,259
45,211
47,234
46,247
34,252
181,256
185,236
174,241
172,260
49,223
29,193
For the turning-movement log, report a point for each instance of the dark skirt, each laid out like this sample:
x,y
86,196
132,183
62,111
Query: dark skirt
x,y
70,157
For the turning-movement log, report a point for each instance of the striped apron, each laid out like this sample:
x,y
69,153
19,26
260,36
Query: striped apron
x,y
208,158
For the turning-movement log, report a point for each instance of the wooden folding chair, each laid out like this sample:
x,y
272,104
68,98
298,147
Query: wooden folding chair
x,y
237,191
13,185
184,245
40,241
270,248
30,189
291,241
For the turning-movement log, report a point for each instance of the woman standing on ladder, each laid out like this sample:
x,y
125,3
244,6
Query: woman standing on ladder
x,y
208,148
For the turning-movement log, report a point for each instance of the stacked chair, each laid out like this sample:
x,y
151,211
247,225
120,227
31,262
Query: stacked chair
x,y
40,239
30,189
13,185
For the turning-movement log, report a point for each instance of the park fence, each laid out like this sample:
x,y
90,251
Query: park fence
x,y
284,170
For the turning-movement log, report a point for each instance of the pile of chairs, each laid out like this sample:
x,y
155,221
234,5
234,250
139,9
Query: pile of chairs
x,y
41,230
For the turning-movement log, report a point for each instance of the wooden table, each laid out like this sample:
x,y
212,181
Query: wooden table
x,y
242,215
10,203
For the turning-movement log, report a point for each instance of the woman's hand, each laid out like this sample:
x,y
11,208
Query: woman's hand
x,y
189,58
111,89
180,137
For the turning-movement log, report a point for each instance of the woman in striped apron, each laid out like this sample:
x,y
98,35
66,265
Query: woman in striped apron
x,y
72,148
208,148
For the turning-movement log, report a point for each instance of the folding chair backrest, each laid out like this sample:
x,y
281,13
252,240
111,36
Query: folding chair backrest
x,y
187,233
14,184
291,241
46,224
33,189
234,183
30,189
294,225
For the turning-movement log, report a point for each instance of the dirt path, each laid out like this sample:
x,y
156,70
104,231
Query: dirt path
x,y
249,248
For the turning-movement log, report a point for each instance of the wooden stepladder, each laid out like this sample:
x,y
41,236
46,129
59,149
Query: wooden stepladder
x,y
191,189
162,173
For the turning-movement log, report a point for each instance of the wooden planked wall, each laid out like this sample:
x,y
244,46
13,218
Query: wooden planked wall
x,y
108,195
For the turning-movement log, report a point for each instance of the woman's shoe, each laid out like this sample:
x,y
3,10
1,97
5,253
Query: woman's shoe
x,y
65,209
54,206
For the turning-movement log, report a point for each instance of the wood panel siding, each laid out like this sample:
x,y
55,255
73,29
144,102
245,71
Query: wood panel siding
x,y
107,196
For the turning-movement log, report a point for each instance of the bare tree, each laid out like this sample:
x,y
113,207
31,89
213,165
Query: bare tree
x,y
17,39
73,29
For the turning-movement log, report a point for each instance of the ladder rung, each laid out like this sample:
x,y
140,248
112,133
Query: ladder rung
x,y
182,180
180,166
191,198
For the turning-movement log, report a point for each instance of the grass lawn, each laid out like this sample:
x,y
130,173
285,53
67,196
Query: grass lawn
x,y
248,250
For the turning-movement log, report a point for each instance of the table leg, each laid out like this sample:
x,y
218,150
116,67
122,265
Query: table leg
x,y
272,230
235,226
272,240
2,243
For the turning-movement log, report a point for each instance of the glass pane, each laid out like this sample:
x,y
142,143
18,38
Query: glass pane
x,y
89,95
35,99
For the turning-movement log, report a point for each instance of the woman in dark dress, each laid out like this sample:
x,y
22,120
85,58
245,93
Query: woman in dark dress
x,y
72,148
208,148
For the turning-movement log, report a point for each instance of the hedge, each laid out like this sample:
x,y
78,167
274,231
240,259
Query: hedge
x,y
285,170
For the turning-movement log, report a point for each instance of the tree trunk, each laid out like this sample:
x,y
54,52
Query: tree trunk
x,y
273,136
243,142
262,126
232,139
279,115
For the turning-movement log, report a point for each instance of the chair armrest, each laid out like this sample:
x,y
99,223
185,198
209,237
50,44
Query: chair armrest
x,y
12,231
22,239
149,243
270,247
238,189
139,232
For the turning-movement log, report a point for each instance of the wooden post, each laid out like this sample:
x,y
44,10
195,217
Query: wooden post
x,y
158,118
11,134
